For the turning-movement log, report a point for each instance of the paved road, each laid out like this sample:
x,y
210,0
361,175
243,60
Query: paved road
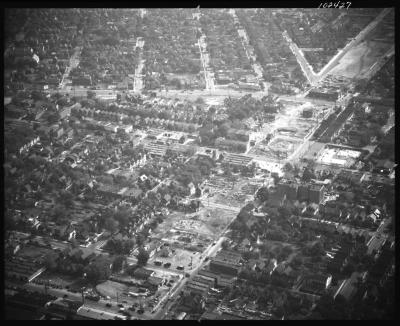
x,y
138,80
205,60
305,66
73,63
209,252
250,53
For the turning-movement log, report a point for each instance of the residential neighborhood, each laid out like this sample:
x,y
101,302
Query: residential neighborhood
x,y
199,164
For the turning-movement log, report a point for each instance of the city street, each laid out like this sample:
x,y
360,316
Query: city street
x,y
138,80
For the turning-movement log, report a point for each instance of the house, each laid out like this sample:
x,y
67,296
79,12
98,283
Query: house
x,y
155,281
165,251
315,284
348,288
62,307
192,188
194,287
153,247
226,262
143,273
245,245
272,265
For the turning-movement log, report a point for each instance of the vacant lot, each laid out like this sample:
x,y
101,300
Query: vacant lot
x,y
206,222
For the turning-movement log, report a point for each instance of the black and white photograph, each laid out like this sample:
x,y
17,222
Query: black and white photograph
x,y
199,163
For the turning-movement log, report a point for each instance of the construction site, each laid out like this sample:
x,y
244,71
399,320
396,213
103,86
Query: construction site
x,y
337,155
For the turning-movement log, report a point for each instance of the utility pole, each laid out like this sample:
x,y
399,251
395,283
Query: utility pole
x,y
46,286
83,296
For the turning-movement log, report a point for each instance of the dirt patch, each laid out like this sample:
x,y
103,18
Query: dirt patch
x,y
359,59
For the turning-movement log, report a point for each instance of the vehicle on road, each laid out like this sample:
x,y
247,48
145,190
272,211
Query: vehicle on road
x,y
108,305
120,305
187,275
180,268
167,265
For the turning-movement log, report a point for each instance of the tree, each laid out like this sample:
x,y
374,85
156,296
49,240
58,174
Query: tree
x,y
50,260
225,245
66,198
122,216
98,271
111,225
288,167
118,263
142,257
307,175
91,94
262,194
199,100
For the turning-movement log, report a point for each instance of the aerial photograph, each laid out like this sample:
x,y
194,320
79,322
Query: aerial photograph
x,y
199,163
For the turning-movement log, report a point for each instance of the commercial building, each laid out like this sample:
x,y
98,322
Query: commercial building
x,y
226,262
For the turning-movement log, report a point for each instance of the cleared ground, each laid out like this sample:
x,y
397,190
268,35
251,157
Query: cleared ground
x,y
206,223
338,156
180,257
360,59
